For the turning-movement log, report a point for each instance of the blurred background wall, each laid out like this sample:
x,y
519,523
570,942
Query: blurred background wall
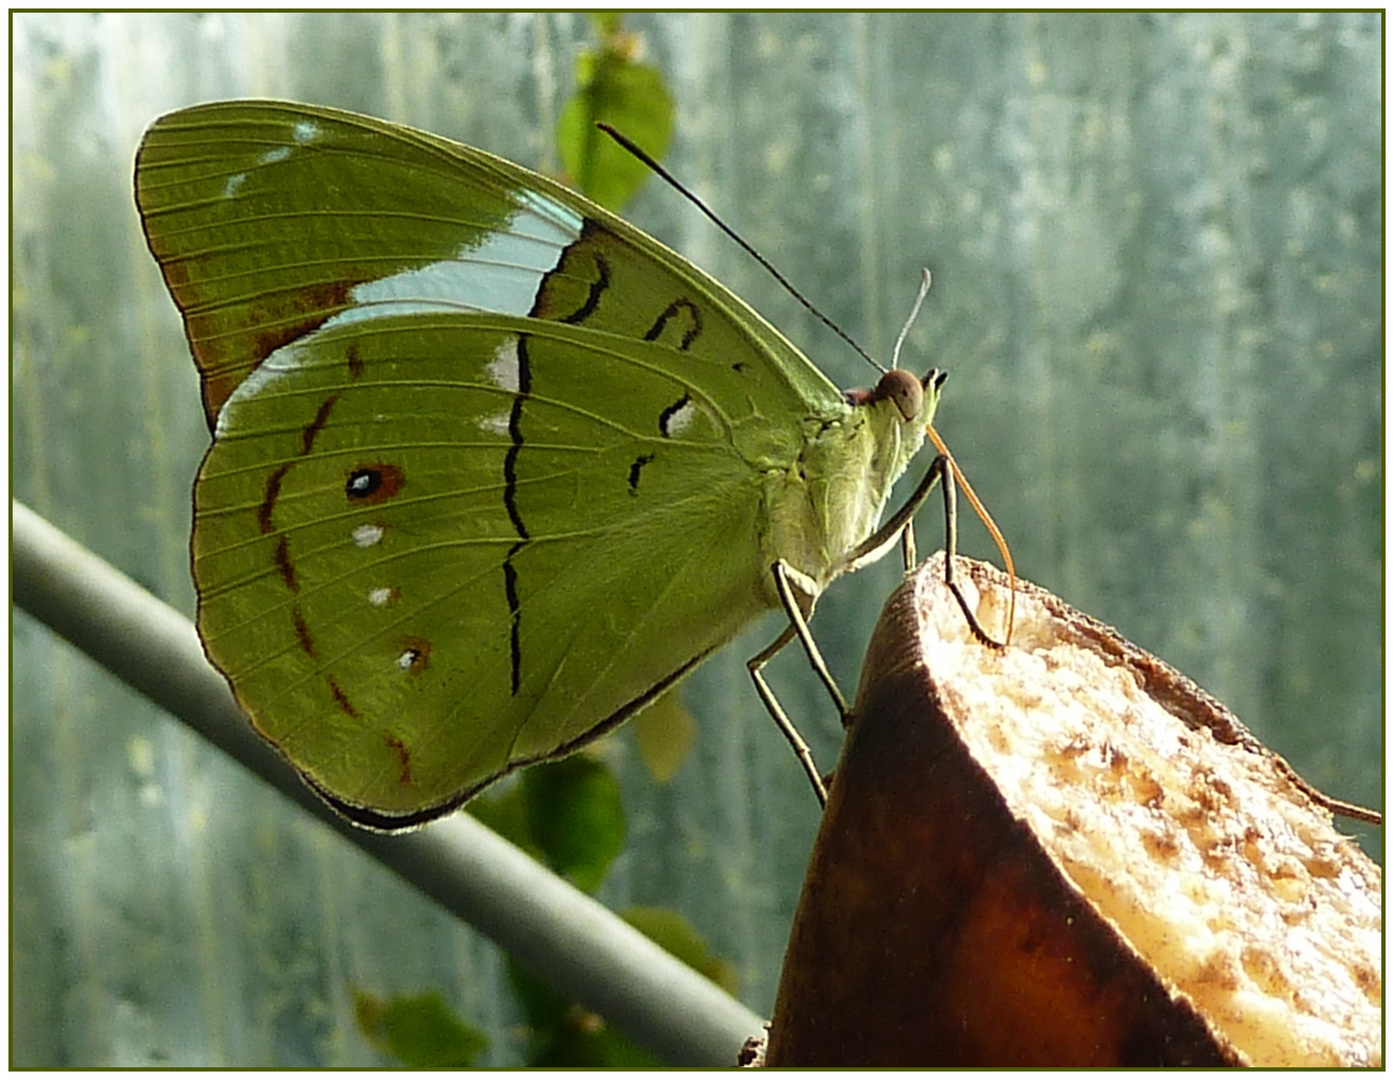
x,y
1157,253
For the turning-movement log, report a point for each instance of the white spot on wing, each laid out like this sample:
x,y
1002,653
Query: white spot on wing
x,y
494,425
679,420
407,658
365,536
503,368
305,131
380,596
233,184
280,153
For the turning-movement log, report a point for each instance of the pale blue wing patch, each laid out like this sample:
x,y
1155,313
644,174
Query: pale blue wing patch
x,y
499,275
280,363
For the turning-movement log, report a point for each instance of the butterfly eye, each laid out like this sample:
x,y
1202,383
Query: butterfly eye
x,y
904,389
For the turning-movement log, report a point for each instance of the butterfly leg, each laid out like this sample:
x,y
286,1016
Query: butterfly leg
x,y
798,622
902,523
781,719
946,474
798,627
907,546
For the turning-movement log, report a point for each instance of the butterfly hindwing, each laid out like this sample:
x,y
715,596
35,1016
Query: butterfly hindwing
x,y
405,614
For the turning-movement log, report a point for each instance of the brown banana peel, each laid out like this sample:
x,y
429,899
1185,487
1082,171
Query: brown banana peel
x,y
1065,853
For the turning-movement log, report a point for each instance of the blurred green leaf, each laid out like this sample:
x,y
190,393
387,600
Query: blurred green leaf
x,y
567,814
607,23
504,809
541,1003
664,733
575,817
564,1034
614,87
584,1041
419,1031
672,930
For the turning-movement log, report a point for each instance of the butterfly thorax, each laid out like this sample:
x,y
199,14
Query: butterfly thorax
x,y
832,497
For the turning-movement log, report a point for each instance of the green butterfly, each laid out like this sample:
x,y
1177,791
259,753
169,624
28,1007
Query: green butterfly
x,y
491,468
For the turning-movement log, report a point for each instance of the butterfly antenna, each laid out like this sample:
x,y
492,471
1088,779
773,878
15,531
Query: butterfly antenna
x,y
914,314
673,182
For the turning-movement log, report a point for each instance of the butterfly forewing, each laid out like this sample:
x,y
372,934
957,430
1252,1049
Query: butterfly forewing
x,y
271,219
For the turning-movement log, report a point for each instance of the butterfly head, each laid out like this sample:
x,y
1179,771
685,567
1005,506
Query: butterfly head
x,y
914,398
